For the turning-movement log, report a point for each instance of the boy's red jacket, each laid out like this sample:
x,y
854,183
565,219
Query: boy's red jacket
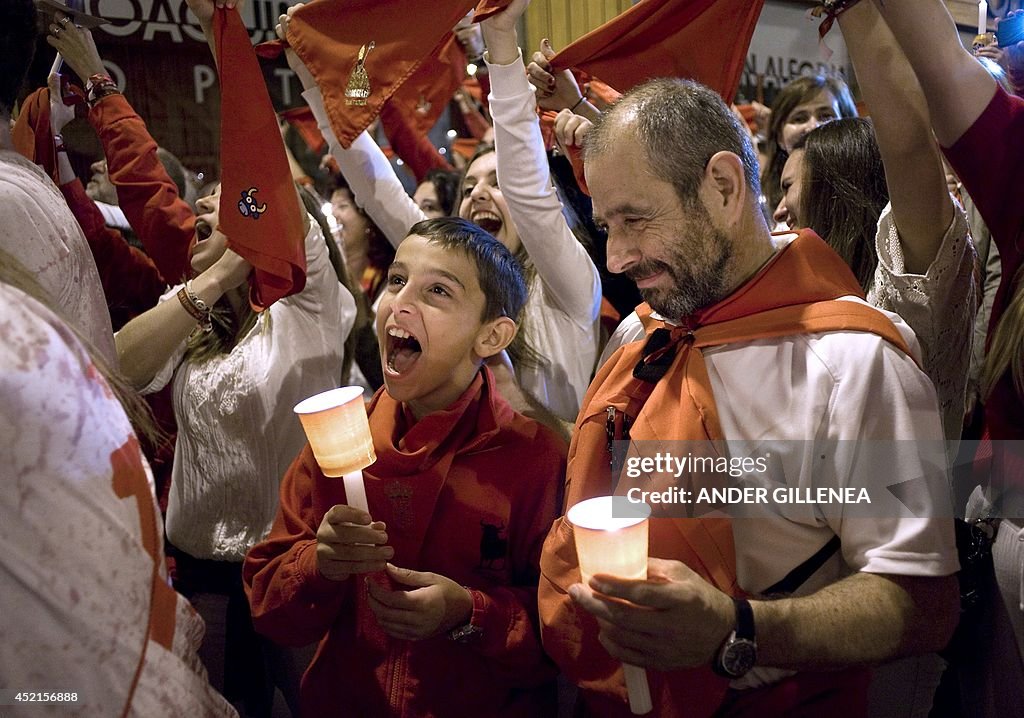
x,y
469,493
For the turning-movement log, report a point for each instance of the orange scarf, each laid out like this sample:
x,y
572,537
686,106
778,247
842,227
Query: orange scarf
x,y
413,457
793,294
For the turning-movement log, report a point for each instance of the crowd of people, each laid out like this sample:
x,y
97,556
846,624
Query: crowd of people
x,y
831,289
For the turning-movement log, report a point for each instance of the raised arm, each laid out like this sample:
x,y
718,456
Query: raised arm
x,y
562,263
956,86
163,221
921,205
147,342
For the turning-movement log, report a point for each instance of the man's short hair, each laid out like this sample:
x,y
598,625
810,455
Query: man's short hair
x,y
680,124
498,271
18,31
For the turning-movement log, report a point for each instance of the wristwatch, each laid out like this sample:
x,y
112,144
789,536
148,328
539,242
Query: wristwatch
x,y
465,634
739,652
470,632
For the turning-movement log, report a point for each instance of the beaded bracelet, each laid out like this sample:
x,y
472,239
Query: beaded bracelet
x,y
98,87
196,307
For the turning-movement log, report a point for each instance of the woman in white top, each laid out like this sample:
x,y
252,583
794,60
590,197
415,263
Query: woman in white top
x,y
912,251
234,389
914,257
509,193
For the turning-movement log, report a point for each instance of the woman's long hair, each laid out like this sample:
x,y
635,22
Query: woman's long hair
x,y
797,92
844,192
447,184
1006,348
520,351
337,259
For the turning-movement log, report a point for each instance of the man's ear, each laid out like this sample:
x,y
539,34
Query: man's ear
x,y
494,336
724,189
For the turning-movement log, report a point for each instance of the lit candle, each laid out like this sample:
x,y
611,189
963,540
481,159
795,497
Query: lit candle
x,y
982,17
339,434
611,538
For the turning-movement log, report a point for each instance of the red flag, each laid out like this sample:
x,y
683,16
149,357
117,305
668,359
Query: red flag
x,y
486,8
415,107
424,95
704,40
362,51
301,118
259,208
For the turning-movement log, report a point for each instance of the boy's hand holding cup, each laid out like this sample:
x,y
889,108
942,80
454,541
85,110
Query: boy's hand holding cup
x,y
349,541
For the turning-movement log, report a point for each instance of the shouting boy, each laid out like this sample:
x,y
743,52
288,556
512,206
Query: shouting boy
x,y
427,607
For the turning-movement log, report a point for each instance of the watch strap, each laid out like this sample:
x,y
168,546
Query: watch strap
x,y
744,619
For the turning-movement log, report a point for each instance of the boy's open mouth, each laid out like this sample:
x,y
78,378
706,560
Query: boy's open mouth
x,y
403,349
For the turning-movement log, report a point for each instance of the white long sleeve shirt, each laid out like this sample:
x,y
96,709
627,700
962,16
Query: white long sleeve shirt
x,y
237,434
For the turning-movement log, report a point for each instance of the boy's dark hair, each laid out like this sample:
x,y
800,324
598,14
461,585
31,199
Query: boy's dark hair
x,y
844,191
499,273
18,30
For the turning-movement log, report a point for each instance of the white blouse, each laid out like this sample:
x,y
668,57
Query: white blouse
x,y
237,434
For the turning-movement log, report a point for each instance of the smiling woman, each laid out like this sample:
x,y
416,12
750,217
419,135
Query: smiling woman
x,y
800,106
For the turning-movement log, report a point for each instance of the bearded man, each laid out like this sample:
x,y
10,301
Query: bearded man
x,y
770,343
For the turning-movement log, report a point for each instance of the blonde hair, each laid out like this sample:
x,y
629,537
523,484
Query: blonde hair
x,y
229,328
1006,350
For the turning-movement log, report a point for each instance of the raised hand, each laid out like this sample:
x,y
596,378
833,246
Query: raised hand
x,y
505,21
500,33
570,129
294,61
555,91
204,9
60,114
75,45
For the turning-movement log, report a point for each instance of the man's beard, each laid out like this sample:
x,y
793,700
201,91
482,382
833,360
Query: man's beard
x,y
698,277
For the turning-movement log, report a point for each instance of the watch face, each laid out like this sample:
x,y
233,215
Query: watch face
x,y
739,657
